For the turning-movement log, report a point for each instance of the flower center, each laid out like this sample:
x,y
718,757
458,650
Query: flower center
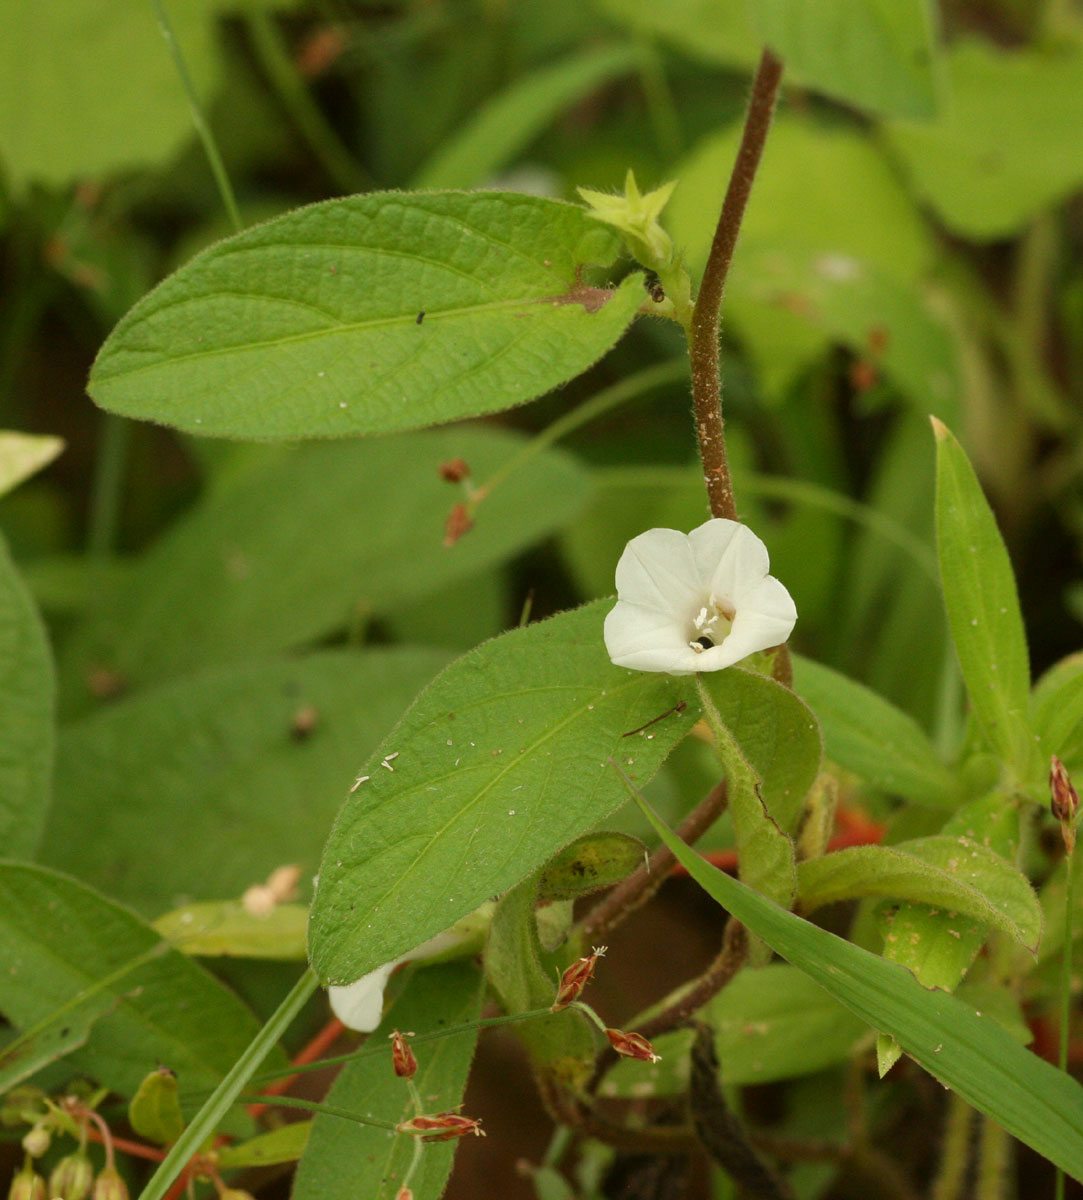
x,y
711,625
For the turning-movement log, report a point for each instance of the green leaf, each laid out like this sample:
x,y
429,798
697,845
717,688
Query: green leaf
x,y
510,121
310,325
1057,711
986,1066
283,1145
770,1023
199,788
948,871
877,54
501,762
154,1111
983,605
23,455
362,532
594,861
225,928
866,734
27,698
343,1160
526,978
60,122
765,855
1007,145
90,953
776,732
24,1056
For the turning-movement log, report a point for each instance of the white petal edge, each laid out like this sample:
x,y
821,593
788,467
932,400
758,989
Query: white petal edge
x,y
360,1005
658,571
743,564
766,619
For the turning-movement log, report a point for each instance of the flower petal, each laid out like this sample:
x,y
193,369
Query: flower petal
x,y
766,618
742,565
658,571
647,640
360,1005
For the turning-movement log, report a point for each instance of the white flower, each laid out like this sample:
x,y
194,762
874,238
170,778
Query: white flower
x,y
360,1005
696,602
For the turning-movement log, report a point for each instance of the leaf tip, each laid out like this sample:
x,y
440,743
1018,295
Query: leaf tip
x,y
940,431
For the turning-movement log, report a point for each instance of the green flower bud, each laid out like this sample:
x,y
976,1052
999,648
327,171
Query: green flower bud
x,y
636,216
110,1186
71,1178
27,1185
36,1142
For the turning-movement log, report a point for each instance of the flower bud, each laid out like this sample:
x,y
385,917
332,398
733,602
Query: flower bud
x,y
402,1057
1064,801
109,1185
576,978
632,1045
454,471
36,1142
442,1128
27,1185
71,1178
458,522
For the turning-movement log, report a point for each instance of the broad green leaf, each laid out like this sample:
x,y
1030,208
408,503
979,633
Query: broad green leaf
x,y
1057,711
594,861
969,1053
765,855
949,872
369,314
23,455
283,1145
154,1111
23,1056
770,1023
1008,143
776,732
871,737
27,699
317,541
502,761
199,788
876,54
225,928
845,205
526,978
510,121
67,950
60,117
887,322
982,605
709,30
342,1160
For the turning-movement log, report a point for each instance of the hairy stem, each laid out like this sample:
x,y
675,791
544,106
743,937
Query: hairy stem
x,y
703,336
643,882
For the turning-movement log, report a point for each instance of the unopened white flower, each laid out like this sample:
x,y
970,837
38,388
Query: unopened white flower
x,y
360,1005
696,602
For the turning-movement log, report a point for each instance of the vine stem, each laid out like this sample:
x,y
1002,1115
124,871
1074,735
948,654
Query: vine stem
x,y
1066,981
706,314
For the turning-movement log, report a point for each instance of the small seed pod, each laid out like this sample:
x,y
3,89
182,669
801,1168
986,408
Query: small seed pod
x,y
632,1045
576,978
109,1185
71,1178
27,1185
442,1128
402,1057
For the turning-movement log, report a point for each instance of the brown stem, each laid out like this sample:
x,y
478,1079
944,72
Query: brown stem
x,y
703,335
729,961
644,881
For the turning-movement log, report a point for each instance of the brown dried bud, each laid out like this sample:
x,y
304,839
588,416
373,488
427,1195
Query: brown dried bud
x,y
576,978
109,1185
454,471
632,1045
459,521
442,1128
1064,801
402,1057
71,1178
36,1142
27,1185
